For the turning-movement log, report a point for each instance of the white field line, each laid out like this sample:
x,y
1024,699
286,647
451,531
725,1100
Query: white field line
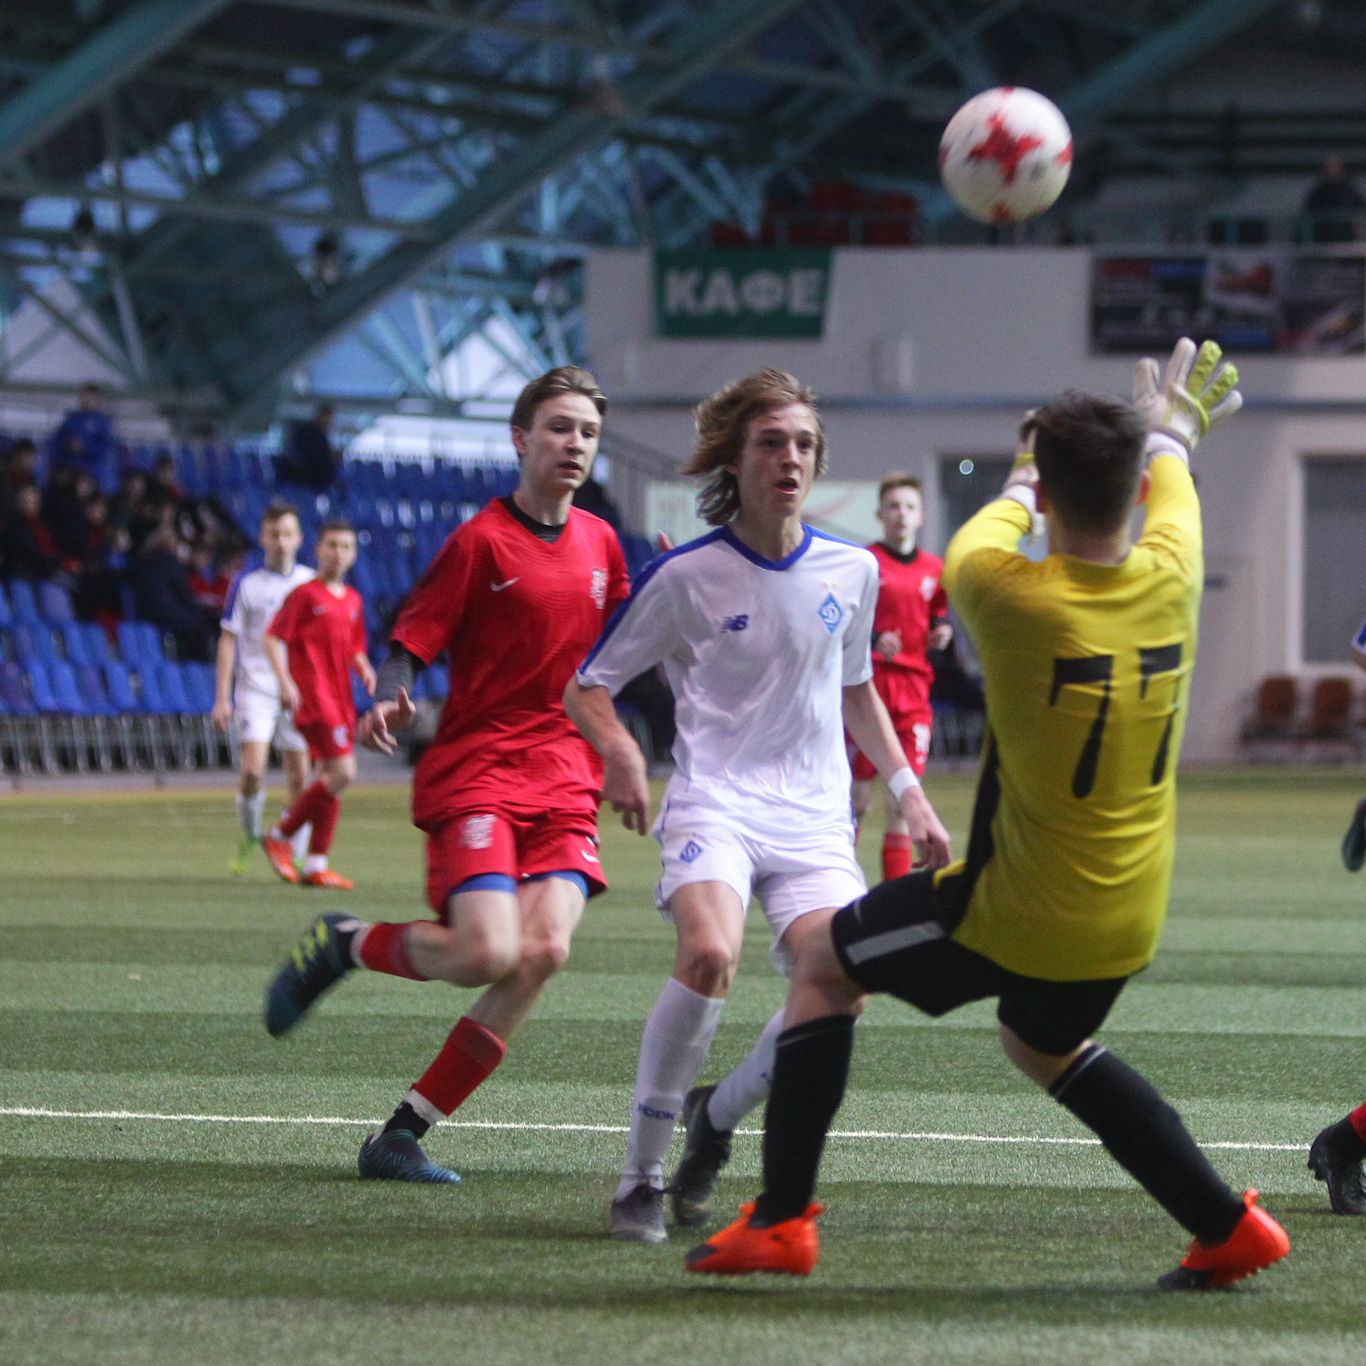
x,y
866,1135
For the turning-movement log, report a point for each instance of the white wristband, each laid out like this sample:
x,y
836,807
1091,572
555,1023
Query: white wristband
x,y
902,781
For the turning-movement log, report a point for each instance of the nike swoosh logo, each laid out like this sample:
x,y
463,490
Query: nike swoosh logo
x,y
498,587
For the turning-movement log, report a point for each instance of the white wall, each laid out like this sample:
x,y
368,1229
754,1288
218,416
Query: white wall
x,y
937,352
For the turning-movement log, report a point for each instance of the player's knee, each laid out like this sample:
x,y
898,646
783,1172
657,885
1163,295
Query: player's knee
x,y
542,958
707,966
251,782
1041,1068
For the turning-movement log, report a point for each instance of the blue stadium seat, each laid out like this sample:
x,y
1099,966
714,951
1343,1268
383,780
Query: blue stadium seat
x,y
90,683
34,644
73,643
199,687
54,603
171,682
359,696
119,683
97,649
23,602
40,687
140,645
14,690
6,611
65,692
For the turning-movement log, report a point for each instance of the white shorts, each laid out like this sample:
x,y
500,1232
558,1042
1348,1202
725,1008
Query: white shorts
x,y
804,872
260,719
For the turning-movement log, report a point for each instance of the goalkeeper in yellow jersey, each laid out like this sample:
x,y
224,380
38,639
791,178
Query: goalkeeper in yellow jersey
x,y
1086,659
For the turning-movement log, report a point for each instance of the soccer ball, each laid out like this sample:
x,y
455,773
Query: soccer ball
x,y
1005,155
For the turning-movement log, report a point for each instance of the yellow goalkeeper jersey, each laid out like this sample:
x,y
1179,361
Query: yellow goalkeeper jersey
x,y
1087,670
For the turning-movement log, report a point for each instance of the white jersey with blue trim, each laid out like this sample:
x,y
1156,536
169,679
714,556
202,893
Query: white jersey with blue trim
x,y
253,600
757,653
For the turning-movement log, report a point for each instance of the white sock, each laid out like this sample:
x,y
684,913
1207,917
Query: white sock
x,y
249,812
673,1047
299,841
747,1086
315,863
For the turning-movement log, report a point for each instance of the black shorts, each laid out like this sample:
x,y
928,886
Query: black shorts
x,y
895,940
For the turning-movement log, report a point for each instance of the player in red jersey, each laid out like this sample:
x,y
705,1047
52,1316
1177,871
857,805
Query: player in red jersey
x,y
911,618
322,623
507,793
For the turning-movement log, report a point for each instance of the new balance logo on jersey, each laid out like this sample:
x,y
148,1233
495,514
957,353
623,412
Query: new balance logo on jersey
x,y
927,586
597,588
740,623
507,583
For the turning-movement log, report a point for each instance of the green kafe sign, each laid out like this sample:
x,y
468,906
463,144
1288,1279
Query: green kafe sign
x,y
735,292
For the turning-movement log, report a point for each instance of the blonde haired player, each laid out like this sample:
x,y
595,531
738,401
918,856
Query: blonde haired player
x,y
763,628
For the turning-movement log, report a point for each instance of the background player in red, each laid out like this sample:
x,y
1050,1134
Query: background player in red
x,y
322,625
911,618
507,793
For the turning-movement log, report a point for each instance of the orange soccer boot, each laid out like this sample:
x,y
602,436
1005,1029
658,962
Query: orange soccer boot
x,y
1257,1240
331,881
281,858
789,1248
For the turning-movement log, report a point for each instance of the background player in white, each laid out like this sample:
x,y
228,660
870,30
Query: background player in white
x,y
763,627
247,690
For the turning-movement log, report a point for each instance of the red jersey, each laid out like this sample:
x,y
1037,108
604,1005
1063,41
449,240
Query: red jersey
x,y
517,616
910,599
324,633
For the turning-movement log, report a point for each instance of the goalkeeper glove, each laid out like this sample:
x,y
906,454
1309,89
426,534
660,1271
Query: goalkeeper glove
x,y
1196,393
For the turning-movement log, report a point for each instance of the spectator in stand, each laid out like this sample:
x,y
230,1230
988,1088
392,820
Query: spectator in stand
x,y
99,564
213,562
86,436
310,458
30,547
1333,203
130,509
18,467
162,595
64,499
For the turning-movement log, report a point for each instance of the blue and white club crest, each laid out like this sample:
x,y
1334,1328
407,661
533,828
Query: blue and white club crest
x,y
831,613
690,851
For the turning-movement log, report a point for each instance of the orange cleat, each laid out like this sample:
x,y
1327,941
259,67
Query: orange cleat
x,y
1257,1240
333,882
281,858
786,1249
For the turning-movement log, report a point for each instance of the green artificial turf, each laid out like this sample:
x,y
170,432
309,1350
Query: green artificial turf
x,y
176,1186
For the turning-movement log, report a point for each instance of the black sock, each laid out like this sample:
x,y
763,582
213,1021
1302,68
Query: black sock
x,y
810,1069
405,1117
1147,1138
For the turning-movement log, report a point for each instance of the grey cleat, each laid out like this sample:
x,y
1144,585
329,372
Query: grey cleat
x,y
705,1151
638,1217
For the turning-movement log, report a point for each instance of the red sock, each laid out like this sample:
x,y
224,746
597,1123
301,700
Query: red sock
x,y
896,856
325,815
305,808
382,949
467,1057
1357,1119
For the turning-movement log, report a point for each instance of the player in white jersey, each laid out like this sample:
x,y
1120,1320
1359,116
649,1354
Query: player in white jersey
x,y
764,629
247,689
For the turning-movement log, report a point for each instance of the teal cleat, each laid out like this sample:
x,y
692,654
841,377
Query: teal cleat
x,y
396,1155
316,963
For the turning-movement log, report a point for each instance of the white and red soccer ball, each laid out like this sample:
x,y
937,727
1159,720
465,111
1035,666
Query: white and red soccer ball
x,y
1006,155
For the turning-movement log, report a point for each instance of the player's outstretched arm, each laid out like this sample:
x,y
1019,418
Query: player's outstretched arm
x,y
377,728
1197,391
624,781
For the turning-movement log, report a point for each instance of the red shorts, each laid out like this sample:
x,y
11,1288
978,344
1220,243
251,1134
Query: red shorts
x,y
914,734
328,742
517,844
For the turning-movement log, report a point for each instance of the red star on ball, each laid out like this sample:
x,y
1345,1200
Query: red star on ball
x,y
1005,148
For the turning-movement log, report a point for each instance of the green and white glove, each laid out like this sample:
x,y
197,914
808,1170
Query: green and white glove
x,y
1198,391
